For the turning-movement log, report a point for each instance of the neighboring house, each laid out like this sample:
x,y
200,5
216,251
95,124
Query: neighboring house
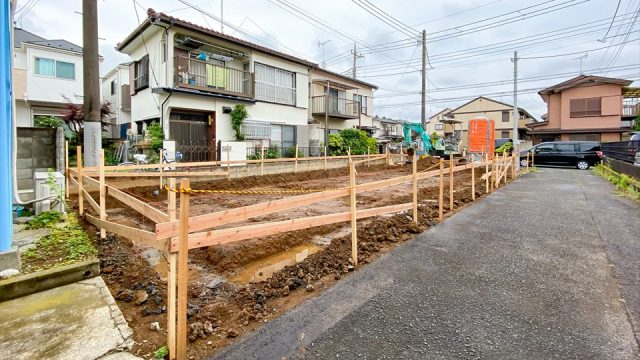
x,y
586,107
434,124
388,131
501,113
116,90
189,78
338,102
44,73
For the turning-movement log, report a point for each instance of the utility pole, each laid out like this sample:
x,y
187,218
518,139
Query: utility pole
x,y
355,57
423,93
516,113
222,16
92,141
322,44
581,58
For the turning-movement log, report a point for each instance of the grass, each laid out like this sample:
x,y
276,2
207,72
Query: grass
x,y
68,243
47,219
161,353
625,185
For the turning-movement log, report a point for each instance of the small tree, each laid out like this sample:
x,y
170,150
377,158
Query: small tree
x,y
238,115
357,140
73,116
43,121
155,136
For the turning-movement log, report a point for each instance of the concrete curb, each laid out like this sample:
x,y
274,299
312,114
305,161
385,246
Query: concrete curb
x,y
48,279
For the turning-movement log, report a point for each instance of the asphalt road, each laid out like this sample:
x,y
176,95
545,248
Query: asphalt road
x,y
546,267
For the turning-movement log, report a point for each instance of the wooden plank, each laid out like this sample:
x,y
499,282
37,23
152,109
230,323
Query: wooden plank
x,y
91,201
137,236
441,193
202,222
352,212
295,166
224,236
143,208
157,174
75,182
262,161
325,158
172,263
473,179
80,179
183,271
450,182
486,173
415,189
103,193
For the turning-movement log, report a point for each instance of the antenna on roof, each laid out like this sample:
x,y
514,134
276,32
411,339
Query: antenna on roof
x,y
322,44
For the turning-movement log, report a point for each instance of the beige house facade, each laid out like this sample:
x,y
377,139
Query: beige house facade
x,y
434,124
501,113
587,107
338,102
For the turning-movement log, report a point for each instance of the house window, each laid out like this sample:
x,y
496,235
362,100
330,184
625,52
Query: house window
x,y
504,134
505,116
141,79
256,129
585,107
114,87
57,69
275,85
439,126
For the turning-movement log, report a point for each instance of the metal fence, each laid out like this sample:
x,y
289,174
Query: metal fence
x,y
621,150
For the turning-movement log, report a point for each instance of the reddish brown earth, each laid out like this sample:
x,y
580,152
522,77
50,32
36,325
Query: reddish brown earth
x,y
219,314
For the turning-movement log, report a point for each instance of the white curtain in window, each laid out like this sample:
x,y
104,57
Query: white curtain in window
x,y
46,67
65,70
275,85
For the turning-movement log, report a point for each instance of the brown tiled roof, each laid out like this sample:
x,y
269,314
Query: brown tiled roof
x,y
155,17
583,79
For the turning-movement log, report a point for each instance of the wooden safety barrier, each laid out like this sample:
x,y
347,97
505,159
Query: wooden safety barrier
x,y
175,236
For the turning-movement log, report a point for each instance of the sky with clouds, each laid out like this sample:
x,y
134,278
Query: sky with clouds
x,y
470,42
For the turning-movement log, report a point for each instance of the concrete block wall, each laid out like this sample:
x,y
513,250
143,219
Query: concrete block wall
x,y
289,167
37,151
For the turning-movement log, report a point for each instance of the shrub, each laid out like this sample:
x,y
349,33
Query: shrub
x,y
238,115
357,140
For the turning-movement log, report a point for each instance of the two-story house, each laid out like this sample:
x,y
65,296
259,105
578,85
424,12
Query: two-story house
x,y
189,78
338,102
116,90
501,113
586,107
435,126
388,131
45,74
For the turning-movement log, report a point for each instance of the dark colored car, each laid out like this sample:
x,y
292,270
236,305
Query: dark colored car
x,y
581,154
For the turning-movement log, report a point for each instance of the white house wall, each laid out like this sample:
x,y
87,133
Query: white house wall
x,y
48,89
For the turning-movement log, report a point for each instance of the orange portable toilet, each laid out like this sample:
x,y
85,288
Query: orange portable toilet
x,y
481,137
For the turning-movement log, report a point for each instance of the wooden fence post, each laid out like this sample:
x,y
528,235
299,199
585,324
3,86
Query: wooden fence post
x,y
401,156
441,195
513,167
415,190
172,262
80,194
473,179
228,162
486,172
161,166
325,158
527,161
506,167
354,229
493,171
66,169
349,152
103,194
533,158
262,161
295,168
450,182
183,270
368,153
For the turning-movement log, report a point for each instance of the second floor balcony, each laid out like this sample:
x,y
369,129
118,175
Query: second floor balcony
x,y
334,106
206,76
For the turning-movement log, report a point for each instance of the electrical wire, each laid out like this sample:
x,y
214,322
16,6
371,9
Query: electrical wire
x,y
614,18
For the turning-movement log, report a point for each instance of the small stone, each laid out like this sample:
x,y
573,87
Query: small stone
x,y
140,297
337,276
208,327
310,288
107,269
285,291
209,342
232,333
155,326
196,330
350,268
8,273
124,295
215,282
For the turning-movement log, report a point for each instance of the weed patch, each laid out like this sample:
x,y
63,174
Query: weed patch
x,y
625,185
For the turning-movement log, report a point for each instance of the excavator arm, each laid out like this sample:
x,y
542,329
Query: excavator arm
x,y
417,128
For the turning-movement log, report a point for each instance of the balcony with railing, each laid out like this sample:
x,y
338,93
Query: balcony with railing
x,y
335,107
204,76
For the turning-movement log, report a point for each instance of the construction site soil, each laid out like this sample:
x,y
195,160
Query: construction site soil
x,y
224,301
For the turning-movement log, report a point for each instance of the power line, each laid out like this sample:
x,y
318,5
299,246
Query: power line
x,y
385,18
612,20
